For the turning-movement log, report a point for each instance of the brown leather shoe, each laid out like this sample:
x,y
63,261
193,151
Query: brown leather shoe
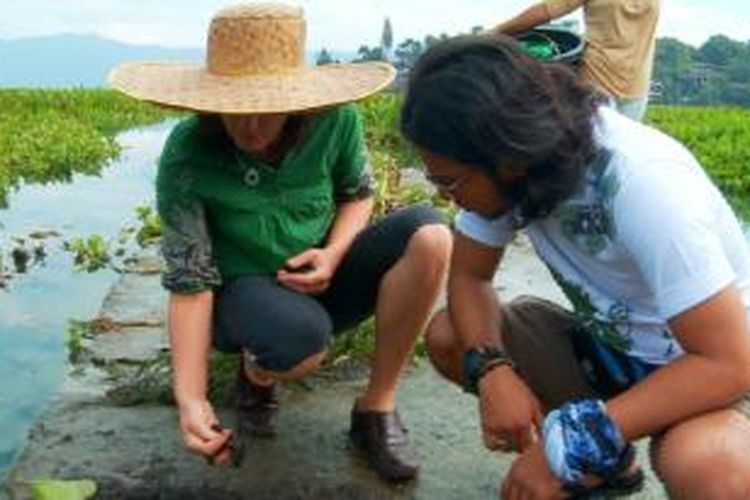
x,y
383,439
257,407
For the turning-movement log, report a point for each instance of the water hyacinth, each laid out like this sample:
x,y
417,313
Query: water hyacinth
x,y
49,135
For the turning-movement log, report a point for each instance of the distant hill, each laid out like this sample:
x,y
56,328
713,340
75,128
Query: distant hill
x,y
73,60
82,60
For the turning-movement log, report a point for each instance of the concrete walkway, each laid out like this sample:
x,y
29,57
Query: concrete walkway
x,y
135,452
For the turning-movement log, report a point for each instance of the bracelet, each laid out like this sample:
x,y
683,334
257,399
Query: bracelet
x,y
580,438
480,361
494,363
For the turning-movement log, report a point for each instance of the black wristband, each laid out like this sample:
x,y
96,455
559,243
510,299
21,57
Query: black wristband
x,y
480,361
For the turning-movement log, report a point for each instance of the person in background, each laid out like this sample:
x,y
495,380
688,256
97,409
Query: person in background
x,y
647,250
621,41
265,199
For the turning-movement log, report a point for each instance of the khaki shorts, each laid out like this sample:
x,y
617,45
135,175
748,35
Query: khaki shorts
x,y
536,335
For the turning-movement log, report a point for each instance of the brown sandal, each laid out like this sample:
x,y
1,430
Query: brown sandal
x,y
382,438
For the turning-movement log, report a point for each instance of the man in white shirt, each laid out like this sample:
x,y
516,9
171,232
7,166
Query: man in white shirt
x,y
643,244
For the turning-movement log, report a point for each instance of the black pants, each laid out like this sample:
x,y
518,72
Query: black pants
x,y
282,327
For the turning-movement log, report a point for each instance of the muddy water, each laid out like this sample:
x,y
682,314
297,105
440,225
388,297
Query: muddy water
x,y
36,306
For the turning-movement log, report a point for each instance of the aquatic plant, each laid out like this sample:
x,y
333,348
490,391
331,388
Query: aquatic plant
x,y
49,135
89,254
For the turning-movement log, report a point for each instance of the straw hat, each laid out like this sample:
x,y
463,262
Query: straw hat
x,y
255,63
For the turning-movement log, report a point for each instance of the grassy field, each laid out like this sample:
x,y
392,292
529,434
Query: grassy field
x,y
720,139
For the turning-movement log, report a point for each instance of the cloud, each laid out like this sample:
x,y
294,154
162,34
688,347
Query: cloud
x,y
694,21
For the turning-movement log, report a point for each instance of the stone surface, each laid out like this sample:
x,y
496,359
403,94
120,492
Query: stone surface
x,y
129,344
136,452
137,300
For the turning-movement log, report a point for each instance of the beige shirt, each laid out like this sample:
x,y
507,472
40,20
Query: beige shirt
x,y
620,34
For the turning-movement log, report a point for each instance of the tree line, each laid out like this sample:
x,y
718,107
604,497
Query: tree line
x,y
716,73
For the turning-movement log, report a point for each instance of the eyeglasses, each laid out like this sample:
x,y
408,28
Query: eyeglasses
x,y
448,185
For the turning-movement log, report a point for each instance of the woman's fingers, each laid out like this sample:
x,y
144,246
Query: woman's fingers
x,y
301,260
208,446
306,283
222,456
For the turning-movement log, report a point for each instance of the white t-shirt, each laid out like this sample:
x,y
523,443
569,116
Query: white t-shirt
x,y
646,237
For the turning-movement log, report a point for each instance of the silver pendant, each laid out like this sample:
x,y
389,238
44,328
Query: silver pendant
x,y
251,177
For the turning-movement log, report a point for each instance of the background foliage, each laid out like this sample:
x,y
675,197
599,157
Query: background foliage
x,y
720,139
48,135
717,72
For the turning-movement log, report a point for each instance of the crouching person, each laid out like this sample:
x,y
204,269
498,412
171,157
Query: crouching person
x,y
650,255
265,200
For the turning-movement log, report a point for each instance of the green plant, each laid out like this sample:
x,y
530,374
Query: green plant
x,y
380,115
150,229
77,331
89,254
720,139
49,135
358,343
59,489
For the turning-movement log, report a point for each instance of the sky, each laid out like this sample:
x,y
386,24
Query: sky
x,y
334,24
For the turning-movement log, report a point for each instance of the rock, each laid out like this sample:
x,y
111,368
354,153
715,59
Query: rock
x,y
134,344
44,234
138,300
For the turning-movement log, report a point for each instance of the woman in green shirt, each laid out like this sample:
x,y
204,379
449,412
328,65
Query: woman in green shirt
x,y
265,199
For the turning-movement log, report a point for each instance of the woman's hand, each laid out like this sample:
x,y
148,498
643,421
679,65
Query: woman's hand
x,y
201,432
511,415
309,272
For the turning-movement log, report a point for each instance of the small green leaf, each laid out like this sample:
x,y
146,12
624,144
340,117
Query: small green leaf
x,y
55,489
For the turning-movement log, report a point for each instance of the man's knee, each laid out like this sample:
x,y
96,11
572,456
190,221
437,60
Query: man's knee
x,y
443,347
705,459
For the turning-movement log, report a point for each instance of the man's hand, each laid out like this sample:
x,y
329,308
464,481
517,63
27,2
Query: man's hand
x,y
202,434
309,272
531,478
510,413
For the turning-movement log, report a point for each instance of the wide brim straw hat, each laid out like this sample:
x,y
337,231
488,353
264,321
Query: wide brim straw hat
x,y
255,64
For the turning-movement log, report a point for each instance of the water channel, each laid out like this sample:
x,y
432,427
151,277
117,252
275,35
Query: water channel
x,y
36,306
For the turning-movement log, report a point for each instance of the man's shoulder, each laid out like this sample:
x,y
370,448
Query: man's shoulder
x,y
642,151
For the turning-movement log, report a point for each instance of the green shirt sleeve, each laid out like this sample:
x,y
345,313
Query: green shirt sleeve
x,y
186,242
352,170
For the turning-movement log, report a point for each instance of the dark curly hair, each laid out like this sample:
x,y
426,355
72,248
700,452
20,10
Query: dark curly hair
x,y
482,101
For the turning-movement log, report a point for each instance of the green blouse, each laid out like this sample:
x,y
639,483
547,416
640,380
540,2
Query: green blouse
x,y
226,214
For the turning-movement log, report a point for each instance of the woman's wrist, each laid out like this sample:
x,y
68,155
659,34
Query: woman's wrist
x,y
336,253
184,399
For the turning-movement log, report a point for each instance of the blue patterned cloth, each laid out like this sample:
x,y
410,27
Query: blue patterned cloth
x,y
580,438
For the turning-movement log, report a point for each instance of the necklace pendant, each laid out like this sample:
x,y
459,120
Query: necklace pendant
x,y
251,177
